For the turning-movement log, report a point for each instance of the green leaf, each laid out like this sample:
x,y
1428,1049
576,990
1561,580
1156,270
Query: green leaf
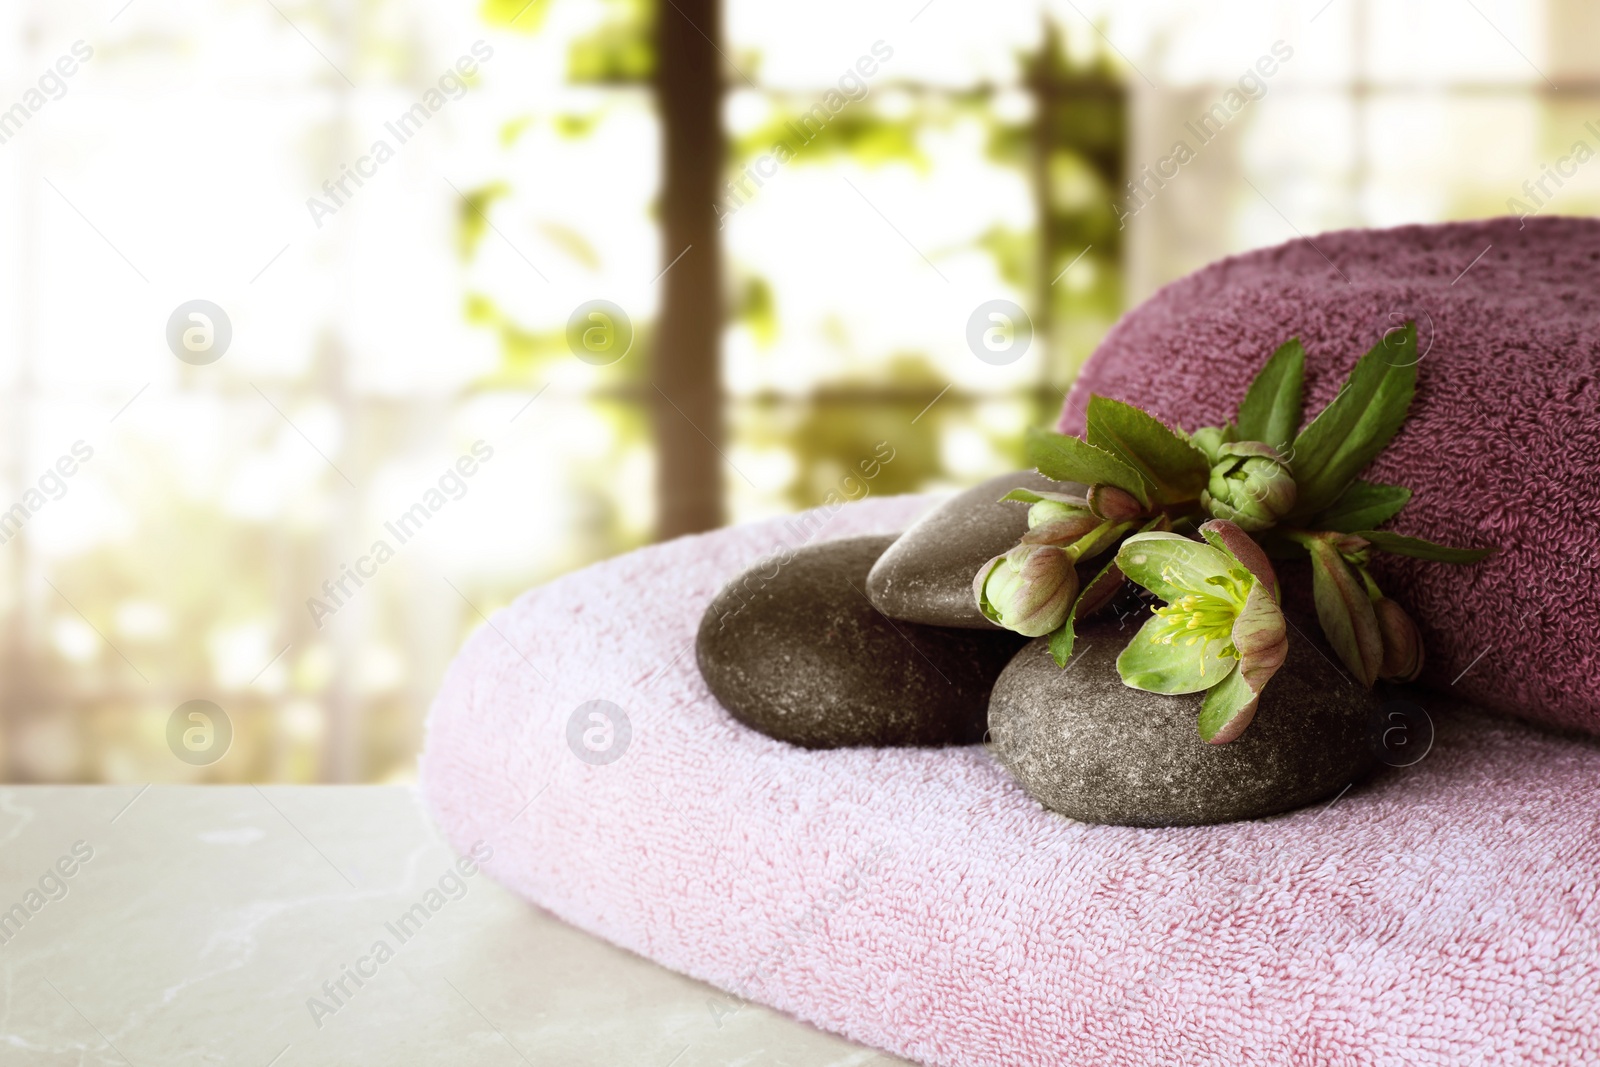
x,y
1362,506
1174,469
1417,548
1227,709
1061,641
1171,565
1351,431
1028,496
1173,669
1271,408
1068,459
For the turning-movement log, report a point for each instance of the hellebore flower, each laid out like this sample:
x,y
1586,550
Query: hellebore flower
x,y
1221,629
1028,590
1250,485
1402,644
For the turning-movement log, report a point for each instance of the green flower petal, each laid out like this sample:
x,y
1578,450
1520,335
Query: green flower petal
x,y
980,580
1261,636
1172,669
1231,538
1227,710
1170,565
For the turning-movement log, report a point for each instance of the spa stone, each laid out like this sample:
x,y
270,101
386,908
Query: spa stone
x,y
926,576
1085,745
795,650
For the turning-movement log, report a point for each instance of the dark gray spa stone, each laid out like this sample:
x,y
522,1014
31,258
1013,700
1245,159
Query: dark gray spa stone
x,y
794,649
1087,746
927,575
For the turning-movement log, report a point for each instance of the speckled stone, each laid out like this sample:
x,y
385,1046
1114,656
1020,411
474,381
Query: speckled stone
x,y
927,575
1087,746
799,653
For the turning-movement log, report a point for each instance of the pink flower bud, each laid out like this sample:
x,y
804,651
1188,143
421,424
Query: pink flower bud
x,y
1118,505
1402,644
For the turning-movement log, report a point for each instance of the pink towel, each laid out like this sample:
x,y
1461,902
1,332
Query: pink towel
x,y
1503,444
917,900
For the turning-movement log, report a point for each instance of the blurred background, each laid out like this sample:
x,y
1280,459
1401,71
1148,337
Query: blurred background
x,y
402,214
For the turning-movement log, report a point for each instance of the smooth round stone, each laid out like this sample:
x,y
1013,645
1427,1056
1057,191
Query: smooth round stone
x,y
1087,746
794,649
926,576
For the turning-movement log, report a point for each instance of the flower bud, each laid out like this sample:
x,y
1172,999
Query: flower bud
x,y
1345,610
1402,644
1118,505
1049,510
1250,486
1029,590
1210,439
1061,531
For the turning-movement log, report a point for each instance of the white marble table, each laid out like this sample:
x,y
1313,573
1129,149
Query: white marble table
x,y
205,918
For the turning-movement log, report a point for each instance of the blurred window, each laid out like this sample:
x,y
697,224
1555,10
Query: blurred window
x,y
899,179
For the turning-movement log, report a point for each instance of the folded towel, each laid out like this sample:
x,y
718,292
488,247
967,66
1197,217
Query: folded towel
x,y
1502,447
919,901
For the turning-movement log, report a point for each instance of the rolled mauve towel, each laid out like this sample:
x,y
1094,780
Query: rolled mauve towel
x,y
1502,446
